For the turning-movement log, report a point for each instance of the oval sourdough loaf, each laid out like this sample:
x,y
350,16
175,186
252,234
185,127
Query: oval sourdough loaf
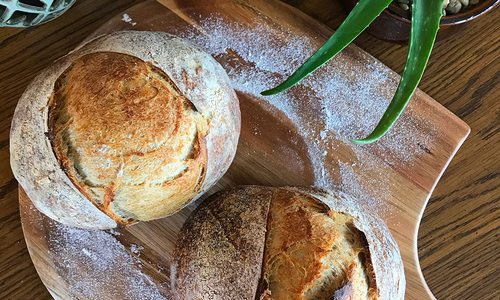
x,y
129,127
285,243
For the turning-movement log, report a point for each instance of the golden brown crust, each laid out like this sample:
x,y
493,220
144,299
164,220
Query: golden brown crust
x,y
312,251
314,248
122,132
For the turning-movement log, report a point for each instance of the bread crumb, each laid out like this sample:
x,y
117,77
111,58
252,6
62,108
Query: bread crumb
x,y
127,19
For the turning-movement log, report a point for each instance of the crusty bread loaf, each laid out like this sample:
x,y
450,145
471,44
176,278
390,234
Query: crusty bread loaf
x,y
129,127
285,243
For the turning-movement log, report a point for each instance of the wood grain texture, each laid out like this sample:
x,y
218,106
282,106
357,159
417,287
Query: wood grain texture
x,y
400,199
457,238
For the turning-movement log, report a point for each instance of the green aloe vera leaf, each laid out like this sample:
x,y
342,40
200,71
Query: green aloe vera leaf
x,y
360,17
426,15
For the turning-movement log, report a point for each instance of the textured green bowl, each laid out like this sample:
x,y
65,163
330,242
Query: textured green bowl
x,y
26,13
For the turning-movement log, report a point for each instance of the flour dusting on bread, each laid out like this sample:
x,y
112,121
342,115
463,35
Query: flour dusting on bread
x,y
69,184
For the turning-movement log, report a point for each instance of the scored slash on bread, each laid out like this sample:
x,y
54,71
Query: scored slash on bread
x,y
124,134
285,243
312,251
129,127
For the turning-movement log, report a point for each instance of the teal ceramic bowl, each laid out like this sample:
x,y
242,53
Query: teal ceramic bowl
x,y
26,13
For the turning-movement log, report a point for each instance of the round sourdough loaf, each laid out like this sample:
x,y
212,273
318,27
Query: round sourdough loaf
x,y
285,243
129,127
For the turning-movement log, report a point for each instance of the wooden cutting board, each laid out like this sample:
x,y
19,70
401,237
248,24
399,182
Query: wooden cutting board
x,y
297,138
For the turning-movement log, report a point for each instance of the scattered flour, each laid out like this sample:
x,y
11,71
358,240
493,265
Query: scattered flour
x,y
136,249
346,98
97,266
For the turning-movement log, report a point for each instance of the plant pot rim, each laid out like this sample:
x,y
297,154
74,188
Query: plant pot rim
x,y
462,17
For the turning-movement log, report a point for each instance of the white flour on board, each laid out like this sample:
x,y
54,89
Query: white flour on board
x,y
97,266
351,98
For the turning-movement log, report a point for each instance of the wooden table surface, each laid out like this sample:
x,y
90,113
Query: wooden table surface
x,y
458,240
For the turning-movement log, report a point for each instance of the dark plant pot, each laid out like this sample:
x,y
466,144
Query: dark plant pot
x,y
394,23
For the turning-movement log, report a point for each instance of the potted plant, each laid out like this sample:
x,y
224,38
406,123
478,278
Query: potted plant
x,y
394,23
425,21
